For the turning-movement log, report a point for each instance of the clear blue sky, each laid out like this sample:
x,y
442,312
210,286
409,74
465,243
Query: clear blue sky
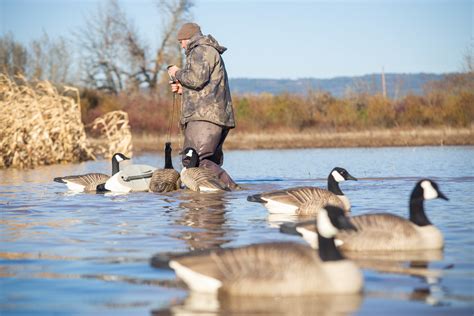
x,y
290,39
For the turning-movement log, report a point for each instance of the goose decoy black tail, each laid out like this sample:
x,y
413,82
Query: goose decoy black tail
x,y
256,198
290,229
162,260
59,179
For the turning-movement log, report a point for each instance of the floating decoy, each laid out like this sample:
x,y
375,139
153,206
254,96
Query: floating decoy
x,y
90,181
385,231
166,179
272,269
200,179
306,200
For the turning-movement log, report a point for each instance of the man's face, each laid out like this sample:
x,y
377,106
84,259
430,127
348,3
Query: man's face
x,y
184,43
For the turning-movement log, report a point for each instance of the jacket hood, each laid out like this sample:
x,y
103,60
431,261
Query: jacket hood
x,y
204,40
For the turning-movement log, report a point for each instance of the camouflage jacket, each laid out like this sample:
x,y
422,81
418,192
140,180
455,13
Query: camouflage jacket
x,y
206,93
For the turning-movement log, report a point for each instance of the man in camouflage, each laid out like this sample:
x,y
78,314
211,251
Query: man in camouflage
x,y
206,114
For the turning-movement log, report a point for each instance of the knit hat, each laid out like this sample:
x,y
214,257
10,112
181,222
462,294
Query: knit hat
x,y
188,30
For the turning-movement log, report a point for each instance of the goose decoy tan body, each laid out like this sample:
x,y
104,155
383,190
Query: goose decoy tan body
x,y
385,231
283,268
89,182
200,179
306,200
166,179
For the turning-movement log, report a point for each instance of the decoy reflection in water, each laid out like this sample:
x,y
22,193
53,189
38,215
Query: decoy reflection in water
x,y
205,304
307,200
206,214
286,269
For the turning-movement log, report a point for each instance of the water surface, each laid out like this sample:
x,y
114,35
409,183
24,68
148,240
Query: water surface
x,y
62,253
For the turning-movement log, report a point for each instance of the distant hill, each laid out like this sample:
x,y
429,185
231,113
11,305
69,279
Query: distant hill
x,y
398,85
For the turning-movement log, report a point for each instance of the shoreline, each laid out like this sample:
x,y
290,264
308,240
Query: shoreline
x,y
318,139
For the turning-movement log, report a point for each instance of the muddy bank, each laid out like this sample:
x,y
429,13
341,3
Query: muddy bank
x,y
318,139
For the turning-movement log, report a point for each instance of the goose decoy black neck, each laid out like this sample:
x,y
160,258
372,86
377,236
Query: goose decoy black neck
x,y
337,175
333,186
424,190
328,250
116,159
330,220
168,160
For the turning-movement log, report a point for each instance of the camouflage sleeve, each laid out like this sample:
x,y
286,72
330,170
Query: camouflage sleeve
x,y
196,74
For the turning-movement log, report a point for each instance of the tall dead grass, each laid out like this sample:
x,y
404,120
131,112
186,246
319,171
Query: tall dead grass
x,y
114,134
41,126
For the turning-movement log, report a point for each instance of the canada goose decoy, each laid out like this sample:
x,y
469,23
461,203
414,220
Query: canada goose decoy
x,y
89,182
306,200
385,231
200,179
272,269
133,178
166,179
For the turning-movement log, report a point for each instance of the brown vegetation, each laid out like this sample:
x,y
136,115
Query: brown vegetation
x,y
114,135
314,138
41,126
445,105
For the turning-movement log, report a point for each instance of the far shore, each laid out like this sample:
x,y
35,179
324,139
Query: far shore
x,y
319,139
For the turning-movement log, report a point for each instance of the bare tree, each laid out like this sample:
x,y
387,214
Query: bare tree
x,y
13,56
50,59
116,58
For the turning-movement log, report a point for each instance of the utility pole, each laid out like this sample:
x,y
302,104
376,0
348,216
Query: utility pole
x,y
384,88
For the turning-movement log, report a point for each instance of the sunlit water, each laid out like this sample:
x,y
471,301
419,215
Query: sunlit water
x,y
89,254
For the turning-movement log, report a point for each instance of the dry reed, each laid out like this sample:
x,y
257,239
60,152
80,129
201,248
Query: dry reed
x,y
115,134
39,125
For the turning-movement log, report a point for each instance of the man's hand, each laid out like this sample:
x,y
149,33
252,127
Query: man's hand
x,y
172,71
176,87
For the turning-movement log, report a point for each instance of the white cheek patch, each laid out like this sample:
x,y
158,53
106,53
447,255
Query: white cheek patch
x,y
189,153
429,192
337,176
118,158
325,227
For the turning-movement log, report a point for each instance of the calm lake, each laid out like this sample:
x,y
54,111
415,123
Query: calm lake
x,y
89,253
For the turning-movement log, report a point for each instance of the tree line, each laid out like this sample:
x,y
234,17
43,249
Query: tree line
x,y
116,70
108,52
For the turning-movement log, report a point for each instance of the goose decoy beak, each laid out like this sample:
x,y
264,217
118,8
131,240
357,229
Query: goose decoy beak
x,y
442,196
345,223
349,177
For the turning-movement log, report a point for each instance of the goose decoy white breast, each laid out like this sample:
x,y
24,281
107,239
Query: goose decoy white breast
x,y
166,179
385,231
307,200
200,179
272,269
91,182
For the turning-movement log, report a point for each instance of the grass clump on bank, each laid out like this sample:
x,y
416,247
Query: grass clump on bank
x,y
39,125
